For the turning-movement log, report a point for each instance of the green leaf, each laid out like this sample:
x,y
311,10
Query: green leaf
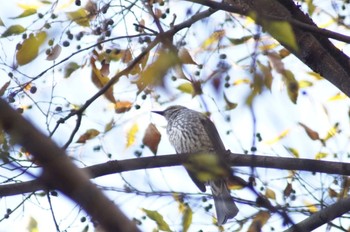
x,y
80,17
310,7
29,49
158,218
25,13
13,30
70,68
241,40
282,32
1,22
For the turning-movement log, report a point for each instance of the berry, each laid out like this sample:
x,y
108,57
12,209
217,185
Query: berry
x,y
65,43
33,89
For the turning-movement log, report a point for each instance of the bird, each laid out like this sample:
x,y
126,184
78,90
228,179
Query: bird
x,y
190,131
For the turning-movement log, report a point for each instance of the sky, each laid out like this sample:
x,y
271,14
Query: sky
x,y
275,114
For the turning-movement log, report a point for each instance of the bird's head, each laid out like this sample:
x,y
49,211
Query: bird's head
x,y
171,111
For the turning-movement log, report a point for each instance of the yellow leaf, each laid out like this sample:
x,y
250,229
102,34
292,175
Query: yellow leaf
x,y
304,83
13,30
321,155
331,132
278,138
311,207
249,20
80,17
152,138
338,96
216,36
328,23
153,75
180,199
29,49
269,193
109,126
293,151
187,218
259,221
158,219
268,47
64,4
131,135
186,88
315,75
25,13
1,22
89,134
241,81
32,225
100,80
292,85
30,4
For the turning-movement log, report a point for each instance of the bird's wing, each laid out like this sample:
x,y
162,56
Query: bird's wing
x,y
199,183
213,134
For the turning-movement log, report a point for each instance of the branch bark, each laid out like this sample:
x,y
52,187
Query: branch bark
x,y
315,49
235,160
322,217
60,173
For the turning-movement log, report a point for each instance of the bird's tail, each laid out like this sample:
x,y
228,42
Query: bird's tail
x,y
224,204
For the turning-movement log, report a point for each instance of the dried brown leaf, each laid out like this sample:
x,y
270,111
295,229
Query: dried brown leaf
x,y
152,138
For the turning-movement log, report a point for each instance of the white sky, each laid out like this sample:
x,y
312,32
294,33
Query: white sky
x,y
275,113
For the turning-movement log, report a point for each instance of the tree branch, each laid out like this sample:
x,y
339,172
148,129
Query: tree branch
x,y
235,160
314,47
60,173
323,216
161,37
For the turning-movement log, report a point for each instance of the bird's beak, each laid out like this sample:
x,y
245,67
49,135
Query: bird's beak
x,y
158,112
